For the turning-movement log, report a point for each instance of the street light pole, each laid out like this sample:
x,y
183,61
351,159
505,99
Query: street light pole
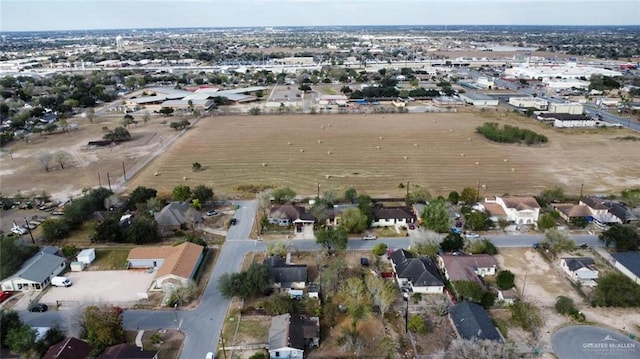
x,y
175,312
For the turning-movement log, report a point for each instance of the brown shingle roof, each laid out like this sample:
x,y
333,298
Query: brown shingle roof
x,y
69,348
178,260
494,209
521,203
463,266
572,210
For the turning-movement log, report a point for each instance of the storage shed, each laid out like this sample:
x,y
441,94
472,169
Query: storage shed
x,y
77,266
87,256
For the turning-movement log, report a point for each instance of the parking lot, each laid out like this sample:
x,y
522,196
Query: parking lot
x,y
116,287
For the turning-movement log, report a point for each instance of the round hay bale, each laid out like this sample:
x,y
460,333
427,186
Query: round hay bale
x,y
327,176
319,141
513,169
156,174
505,160
468,138
462,155
380,138
264,164
377,147
289,143
477,163
328,152
405,157
328,125
301,150
184,178
322,127
415,145
450,131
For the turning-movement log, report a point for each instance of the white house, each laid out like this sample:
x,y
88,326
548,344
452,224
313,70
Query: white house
x,y
36,272
580,269
392,216
519,210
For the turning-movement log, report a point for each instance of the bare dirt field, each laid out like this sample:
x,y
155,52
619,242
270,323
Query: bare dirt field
x,y
542,282
373,153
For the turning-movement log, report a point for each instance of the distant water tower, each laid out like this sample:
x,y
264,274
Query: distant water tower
x,y
119,43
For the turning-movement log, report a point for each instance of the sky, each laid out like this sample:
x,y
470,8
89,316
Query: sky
x,y
39,15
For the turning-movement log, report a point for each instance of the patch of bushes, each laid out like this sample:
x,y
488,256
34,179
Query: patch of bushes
x,y
565,306
510,134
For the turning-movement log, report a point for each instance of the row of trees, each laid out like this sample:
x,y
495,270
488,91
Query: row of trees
x,y
20,337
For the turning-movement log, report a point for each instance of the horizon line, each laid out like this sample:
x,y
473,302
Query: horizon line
x,y
318,26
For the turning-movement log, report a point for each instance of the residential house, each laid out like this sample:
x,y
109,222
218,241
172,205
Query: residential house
x,y
419,274
127,351
333,214
622,212
570,211
286,276
508,296
174,215
581,270
493,210
176,265
392,216
599,212
470,321
69,348
628,263
289,214
518,210
291,334
467,267
36,272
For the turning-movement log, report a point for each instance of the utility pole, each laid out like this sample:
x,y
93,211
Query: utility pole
x,y
318,190
109,181
581,189
124,172
29,229
407,188
99,180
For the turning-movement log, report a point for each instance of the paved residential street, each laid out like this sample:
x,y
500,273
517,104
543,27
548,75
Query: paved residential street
x,y
204,324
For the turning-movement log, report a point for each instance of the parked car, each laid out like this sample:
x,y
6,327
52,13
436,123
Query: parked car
x,y
209,356
5,295
61,282
473,235
18,230
38,307
412,226
212,213
369,237
456,230
29,226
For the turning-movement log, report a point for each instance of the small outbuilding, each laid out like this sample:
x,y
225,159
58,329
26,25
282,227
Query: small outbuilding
x,y
86,256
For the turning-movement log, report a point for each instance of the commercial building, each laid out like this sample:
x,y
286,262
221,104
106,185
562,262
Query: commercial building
x,y
477,99
570,70
572,108
529,102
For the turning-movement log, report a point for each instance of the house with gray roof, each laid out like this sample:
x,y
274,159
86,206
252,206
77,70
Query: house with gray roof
x,y
419,274
471,321
286,276
172,216
291,334
289,214
580,269
629,264
36,272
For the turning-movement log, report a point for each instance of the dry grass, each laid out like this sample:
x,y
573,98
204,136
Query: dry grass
x,y
367,152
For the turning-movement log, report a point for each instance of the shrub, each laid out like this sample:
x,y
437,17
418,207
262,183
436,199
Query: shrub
x,y
510,134
417,324
505,279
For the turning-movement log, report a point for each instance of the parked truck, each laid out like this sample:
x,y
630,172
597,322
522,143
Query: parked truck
x,y
61,282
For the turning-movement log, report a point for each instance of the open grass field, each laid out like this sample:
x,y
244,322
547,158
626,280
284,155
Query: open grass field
x,y
374,153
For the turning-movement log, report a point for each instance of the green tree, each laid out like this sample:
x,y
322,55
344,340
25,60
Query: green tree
x,y
418,195
181,193
196,166
426,247
141,195
167,111
283,195
108,231
435,216
332,238
247,284
469,195
616,290
525,315
505,279
365,204
203,193
564,305
54,229
353,220
143,230
631,197
453,242
468,290
417,324
9,320
623,237
278,248
103,328
547,220
118,134
557,242
478,221
454,197
127,120
13,255
351,195
21,339
379,249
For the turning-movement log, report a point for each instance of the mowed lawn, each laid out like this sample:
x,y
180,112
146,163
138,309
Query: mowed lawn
x,y
374,153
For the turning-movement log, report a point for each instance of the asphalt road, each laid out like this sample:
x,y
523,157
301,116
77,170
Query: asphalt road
x,y
203,325
589,342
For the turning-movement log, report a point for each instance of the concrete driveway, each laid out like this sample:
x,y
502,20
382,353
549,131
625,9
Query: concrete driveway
x,y
589,342
119,287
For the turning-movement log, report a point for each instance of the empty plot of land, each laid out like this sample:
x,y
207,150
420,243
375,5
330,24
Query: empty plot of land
x,y
117,287
374,153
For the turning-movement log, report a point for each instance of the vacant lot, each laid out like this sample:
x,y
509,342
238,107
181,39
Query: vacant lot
x,y
375,153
